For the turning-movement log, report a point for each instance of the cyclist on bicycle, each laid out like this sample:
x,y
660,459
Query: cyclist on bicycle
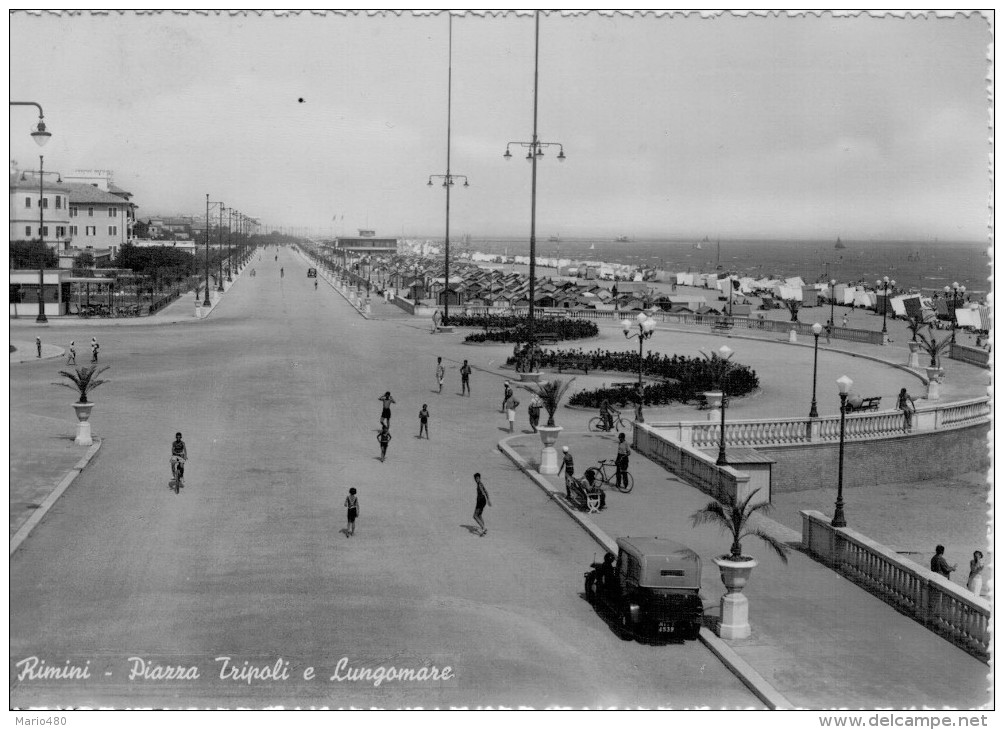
x,y
179,455
607,414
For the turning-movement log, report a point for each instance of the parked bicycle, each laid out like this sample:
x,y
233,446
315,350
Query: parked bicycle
x,y
596,424
607,475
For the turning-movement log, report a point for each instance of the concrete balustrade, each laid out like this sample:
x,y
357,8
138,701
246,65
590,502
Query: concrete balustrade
x,y
942,606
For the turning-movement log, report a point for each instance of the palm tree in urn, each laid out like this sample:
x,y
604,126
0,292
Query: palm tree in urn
x,y
735,517
83,380
933,346
550,393
916,324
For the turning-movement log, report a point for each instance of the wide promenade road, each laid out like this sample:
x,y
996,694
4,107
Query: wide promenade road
x,y
276,394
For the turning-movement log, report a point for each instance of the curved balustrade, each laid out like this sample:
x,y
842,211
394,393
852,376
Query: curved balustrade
x,y
751,433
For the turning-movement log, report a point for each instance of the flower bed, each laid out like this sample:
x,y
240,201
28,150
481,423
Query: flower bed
x,y
684,378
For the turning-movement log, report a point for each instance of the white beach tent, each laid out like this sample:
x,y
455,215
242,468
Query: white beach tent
x,y
864,298
684,278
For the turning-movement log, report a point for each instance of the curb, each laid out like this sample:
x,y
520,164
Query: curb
x,y
22,534
753,680
338,291
24,351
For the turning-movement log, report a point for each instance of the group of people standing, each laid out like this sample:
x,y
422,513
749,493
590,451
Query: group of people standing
x,y
940,566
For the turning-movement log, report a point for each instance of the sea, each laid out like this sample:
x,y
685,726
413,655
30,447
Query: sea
x,y
925,266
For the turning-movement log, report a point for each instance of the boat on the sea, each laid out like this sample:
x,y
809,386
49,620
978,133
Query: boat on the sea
x,y
699,246
554,239
839,244
622,239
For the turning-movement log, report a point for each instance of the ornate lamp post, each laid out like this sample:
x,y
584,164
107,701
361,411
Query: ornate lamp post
x,y
41,135
448,179
843,387
219,245
724,354
884,283
833,300
816,331
956,291
535,149
645,328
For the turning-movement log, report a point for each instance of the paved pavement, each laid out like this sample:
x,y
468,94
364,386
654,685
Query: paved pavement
x,y
276,395
272,393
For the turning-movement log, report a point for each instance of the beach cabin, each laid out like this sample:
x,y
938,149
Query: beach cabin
x,y
810,296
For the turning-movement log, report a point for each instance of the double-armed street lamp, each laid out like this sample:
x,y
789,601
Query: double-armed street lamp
x,y
448,179
957,292
817,329
41,135
534,151
645,328
885,284
843,388
219,245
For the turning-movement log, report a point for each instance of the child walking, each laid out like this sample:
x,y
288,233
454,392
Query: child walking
x,y
72,357
384,438
352,503
423,421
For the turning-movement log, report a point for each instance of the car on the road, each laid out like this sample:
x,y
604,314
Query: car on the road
x,y
312,273
652,588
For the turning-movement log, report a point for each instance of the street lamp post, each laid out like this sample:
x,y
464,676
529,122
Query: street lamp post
x,y
833,300
535,149
844,387
219,245
816,331
955,290
206,302
884,283
724,353
41,136
645,329
448,179
230,240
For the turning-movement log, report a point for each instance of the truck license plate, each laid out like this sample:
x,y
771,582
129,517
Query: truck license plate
x,y
666,628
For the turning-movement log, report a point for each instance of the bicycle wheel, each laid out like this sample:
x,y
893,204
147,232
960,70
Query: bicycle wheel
x,y
627,483
596,424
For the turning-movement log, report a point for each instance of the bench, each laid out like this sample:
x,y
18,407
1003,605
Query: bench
x,y
581,497
867,404
574,363
721,325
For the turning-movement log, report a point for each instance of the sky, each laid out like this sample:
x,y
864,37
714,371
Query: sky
x,y
673,126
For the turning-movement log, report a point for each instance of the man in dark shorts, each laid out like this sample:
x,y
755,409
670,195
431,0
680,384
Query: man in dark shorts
x,y
384,438
423,421
483,500
386,399
465,379
440,373
179,455
506,395
352,506
568,466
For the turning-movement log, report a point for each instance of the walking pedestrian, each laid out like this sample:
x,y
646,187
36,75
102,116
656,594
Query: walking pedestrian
x,y
383,438
568,466
828,330
975,582
72,357
423,421
94,349
440,373
386,399
534,411
315,284
483,500
506,395
435,321
621,462
938,563
282,272
843,322
465,379
905,403
38,347
510,411
352,505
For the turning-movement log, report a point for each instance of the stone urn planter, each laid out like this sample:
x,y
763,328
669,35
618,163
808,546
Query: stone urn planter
x,y
734,605
714,398
83,411
914,361
934,378
549,455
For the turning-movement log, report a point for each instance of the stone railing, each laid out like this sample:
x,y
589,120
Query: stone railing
x,y
971,355
931,599
699,469
752,433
